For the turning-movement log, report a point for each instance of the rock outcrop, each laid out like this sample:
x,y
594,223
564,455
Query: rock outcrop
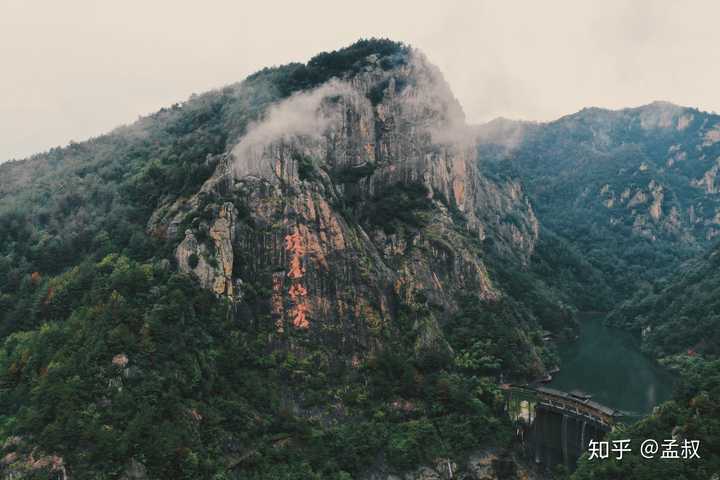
x,y
348,200
211,261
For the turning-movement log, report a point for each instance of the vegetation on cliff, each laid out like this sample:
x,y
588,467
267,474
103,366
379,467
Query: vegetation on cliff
x,y
113,361
132,362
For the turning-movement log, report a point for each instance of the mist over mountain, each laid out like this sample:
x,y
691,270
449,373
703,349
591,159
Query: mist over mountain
x,y
323,271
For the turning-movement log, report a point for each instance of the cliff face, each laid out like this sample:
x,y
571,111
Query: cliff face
x,y
346,203
368,281
211,262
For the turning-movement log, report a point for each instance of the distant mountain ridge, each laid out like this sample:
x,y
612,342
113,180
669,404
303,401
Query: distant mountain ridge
x,y
636,187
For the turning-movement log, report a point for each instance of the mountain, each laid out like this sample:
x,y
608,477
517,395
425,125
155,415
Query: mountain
x,y
323,271
635,187
635,191
303,275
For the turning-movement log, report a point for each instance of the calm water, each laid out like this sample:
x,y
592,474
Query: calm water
x,y
607,363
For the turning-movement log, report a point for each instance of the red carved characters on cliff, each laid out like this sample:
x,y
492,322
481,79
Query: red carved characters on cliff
x,y
298,292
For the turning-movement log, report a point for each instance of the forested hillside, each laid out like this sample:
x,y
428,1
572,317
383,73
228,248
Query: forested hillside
x,y
323,271
303,275
679,314
635,191
634,188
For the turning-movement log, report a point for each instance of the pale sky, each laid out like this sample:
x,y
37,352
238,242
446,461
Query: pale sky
x,y
73,69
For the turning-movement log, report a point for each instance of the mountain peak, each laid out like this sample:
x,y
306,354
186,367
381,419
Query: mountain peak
x,y
343,63
659,106
663,104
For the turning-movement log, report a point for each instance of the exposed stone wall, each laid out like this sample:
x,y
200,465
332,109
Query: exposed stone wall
x,y
298,171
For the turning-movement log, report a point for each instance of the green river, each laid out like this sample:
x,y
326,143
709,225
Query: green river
x,y
607,363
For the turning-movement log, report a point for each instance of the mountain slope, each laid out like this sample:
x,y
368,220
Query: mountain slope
x,y
634,187
634,190
680,314
269,275
350,182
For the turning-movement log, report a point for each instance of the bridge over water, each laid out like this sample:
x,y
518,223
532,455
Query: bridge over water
x,y
555,427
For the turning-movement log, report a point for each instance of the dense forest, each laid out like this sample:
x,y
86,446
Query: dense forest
x,y
634,188
133,361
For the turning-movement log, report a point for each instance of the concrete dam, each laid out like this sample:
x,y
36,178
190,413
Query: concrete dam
x,y
555,427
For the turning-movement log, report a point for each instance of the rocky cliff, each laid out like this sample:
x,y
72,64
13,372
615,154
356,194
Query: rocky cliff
x,y
347,201
307,274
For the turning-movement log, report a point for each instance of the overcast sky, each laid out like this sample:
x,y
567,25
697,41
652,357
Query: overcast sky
x,y
74,69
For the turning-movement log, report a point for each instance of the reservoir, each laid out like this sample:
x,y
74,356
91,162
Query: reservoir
x,y
607,363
